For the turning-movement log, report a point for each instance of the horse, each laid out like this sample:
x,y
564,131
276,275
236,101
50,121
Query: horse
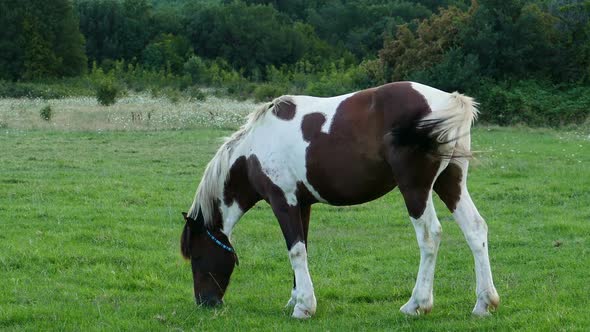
x,y
350,149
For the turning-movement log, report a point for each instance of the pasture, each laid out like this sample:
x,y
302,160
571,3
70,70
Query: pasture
x,y
90,224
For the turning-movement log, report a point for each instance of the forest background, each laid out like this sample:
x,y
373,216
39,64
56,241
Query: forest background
x,y
526,62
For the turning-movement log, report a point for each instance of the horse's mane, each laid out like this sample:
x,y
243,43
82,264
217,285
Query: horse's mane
x,y
211,186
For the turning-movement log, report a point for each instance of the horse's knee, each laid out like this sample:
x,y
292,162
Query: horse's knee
x,y
416,202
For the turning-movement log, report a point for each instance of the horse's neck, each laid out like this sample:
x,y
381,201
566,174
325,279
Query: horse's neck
x,y
230,216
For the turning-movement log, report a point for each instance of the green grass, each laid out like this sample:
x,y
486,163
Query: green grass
x,y
90,222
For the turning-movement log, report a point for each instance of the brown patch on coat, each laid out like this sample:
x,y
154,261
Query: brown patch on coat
x,y
347,165
289,217
284,109
448,186
357,161
247,184
237,186
414,168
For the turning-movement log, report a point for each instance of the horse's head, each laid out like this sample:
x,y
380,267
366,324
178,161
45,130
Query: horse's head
x,y
212,259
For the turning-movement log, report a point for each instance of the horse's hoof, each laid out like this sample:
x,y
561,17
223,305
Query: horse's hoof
x,y
486,302
411,308
301,313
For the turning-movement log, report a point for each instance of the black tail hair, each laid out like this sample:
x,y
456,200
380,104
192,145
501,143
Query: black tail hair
x,y
417,134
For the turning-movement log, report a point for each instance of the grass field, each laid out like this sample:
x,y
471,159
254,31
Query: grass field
x,y
90,222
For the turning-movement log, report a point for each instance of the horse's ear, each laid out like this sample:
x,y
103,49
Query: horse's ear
x,y
198,225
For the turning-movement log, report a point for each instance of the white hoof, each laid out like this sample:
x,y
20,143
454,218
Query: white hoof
x,y
301,313
413,308
409,309
486,301
305,307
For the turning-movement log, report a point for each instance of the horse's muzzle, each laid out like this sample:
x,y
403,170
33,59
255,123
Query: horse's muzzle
x,y
208,301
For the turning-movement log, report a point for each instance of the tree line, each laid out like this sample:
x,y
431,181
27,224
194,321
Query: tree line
x,y
503,52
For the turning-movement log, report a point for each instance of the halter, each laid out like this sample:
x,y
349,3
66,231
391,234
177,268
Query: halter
x,y
219,243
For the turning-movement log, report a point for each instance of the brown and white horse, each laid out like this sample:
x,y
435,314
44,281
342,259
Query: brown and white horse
x,y
344,150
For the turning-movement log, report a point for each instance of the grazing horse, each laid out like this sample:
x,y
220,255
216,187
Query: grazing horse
x,y
344,150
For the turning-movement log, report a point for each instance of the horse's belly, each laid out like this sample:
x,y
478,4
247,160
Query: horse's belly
x,y
349,180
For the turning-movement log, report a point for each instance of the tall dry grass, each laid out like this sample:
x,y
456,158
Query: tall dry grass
x,y
133,112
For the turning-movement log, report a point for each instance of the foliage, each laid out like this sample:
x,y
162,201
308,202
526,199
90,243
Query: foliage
x,y
267,92
248,37
259,48
413,51
49,89
107,93
197,94
533,102
46,113
115,29
40,39
107,88
167,51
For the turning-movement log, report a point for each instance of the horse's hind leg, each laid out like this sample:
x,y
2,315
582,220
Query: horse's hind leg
x,y
415,174
428,233
451,186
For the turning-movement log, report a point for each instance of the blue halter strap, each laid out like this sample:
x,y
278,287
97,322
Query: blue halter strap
x,y
219,243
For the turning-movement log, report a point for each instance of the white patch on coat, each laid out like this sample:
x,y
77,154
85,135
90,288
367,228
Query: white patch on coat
x,y
306,302
475,230
458,111
428,234
280,148
230,214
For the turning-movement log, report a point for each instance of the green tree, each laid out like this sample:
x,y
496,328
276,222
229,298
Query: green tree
x,y
167,51
39,60
412,51
41,39
511,38
115,29
248,37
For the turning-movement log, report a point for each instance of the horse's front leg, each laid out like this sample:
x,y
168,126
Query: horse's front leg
x,y
290,219
305,214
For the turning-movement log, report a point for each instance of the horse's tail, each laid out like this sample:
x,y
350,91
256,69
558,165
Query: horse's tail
x,y
454,124
444,132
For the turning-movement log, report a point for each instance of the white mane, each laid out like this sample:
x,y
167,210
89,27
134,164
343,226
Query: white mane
x,y
211,187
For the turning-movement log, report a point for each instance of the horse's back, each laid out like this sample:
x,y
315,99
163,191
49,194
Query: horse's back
x,y
337,147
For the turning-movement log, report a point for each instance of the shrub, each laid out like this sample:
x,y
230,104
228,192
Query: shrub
x,y
267,92
173,95
535,103
196,69
46,113
107,92
196,93
29,90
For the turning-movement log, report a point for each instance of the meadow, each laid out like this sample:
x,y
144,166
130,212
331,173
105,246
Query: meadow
x,y
90,205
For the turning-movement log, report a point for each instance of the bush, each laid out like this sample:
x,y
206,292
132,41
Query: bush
x,y
456,72
267,92
196,69
46,113
535,103
107,92
196,94
29,90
